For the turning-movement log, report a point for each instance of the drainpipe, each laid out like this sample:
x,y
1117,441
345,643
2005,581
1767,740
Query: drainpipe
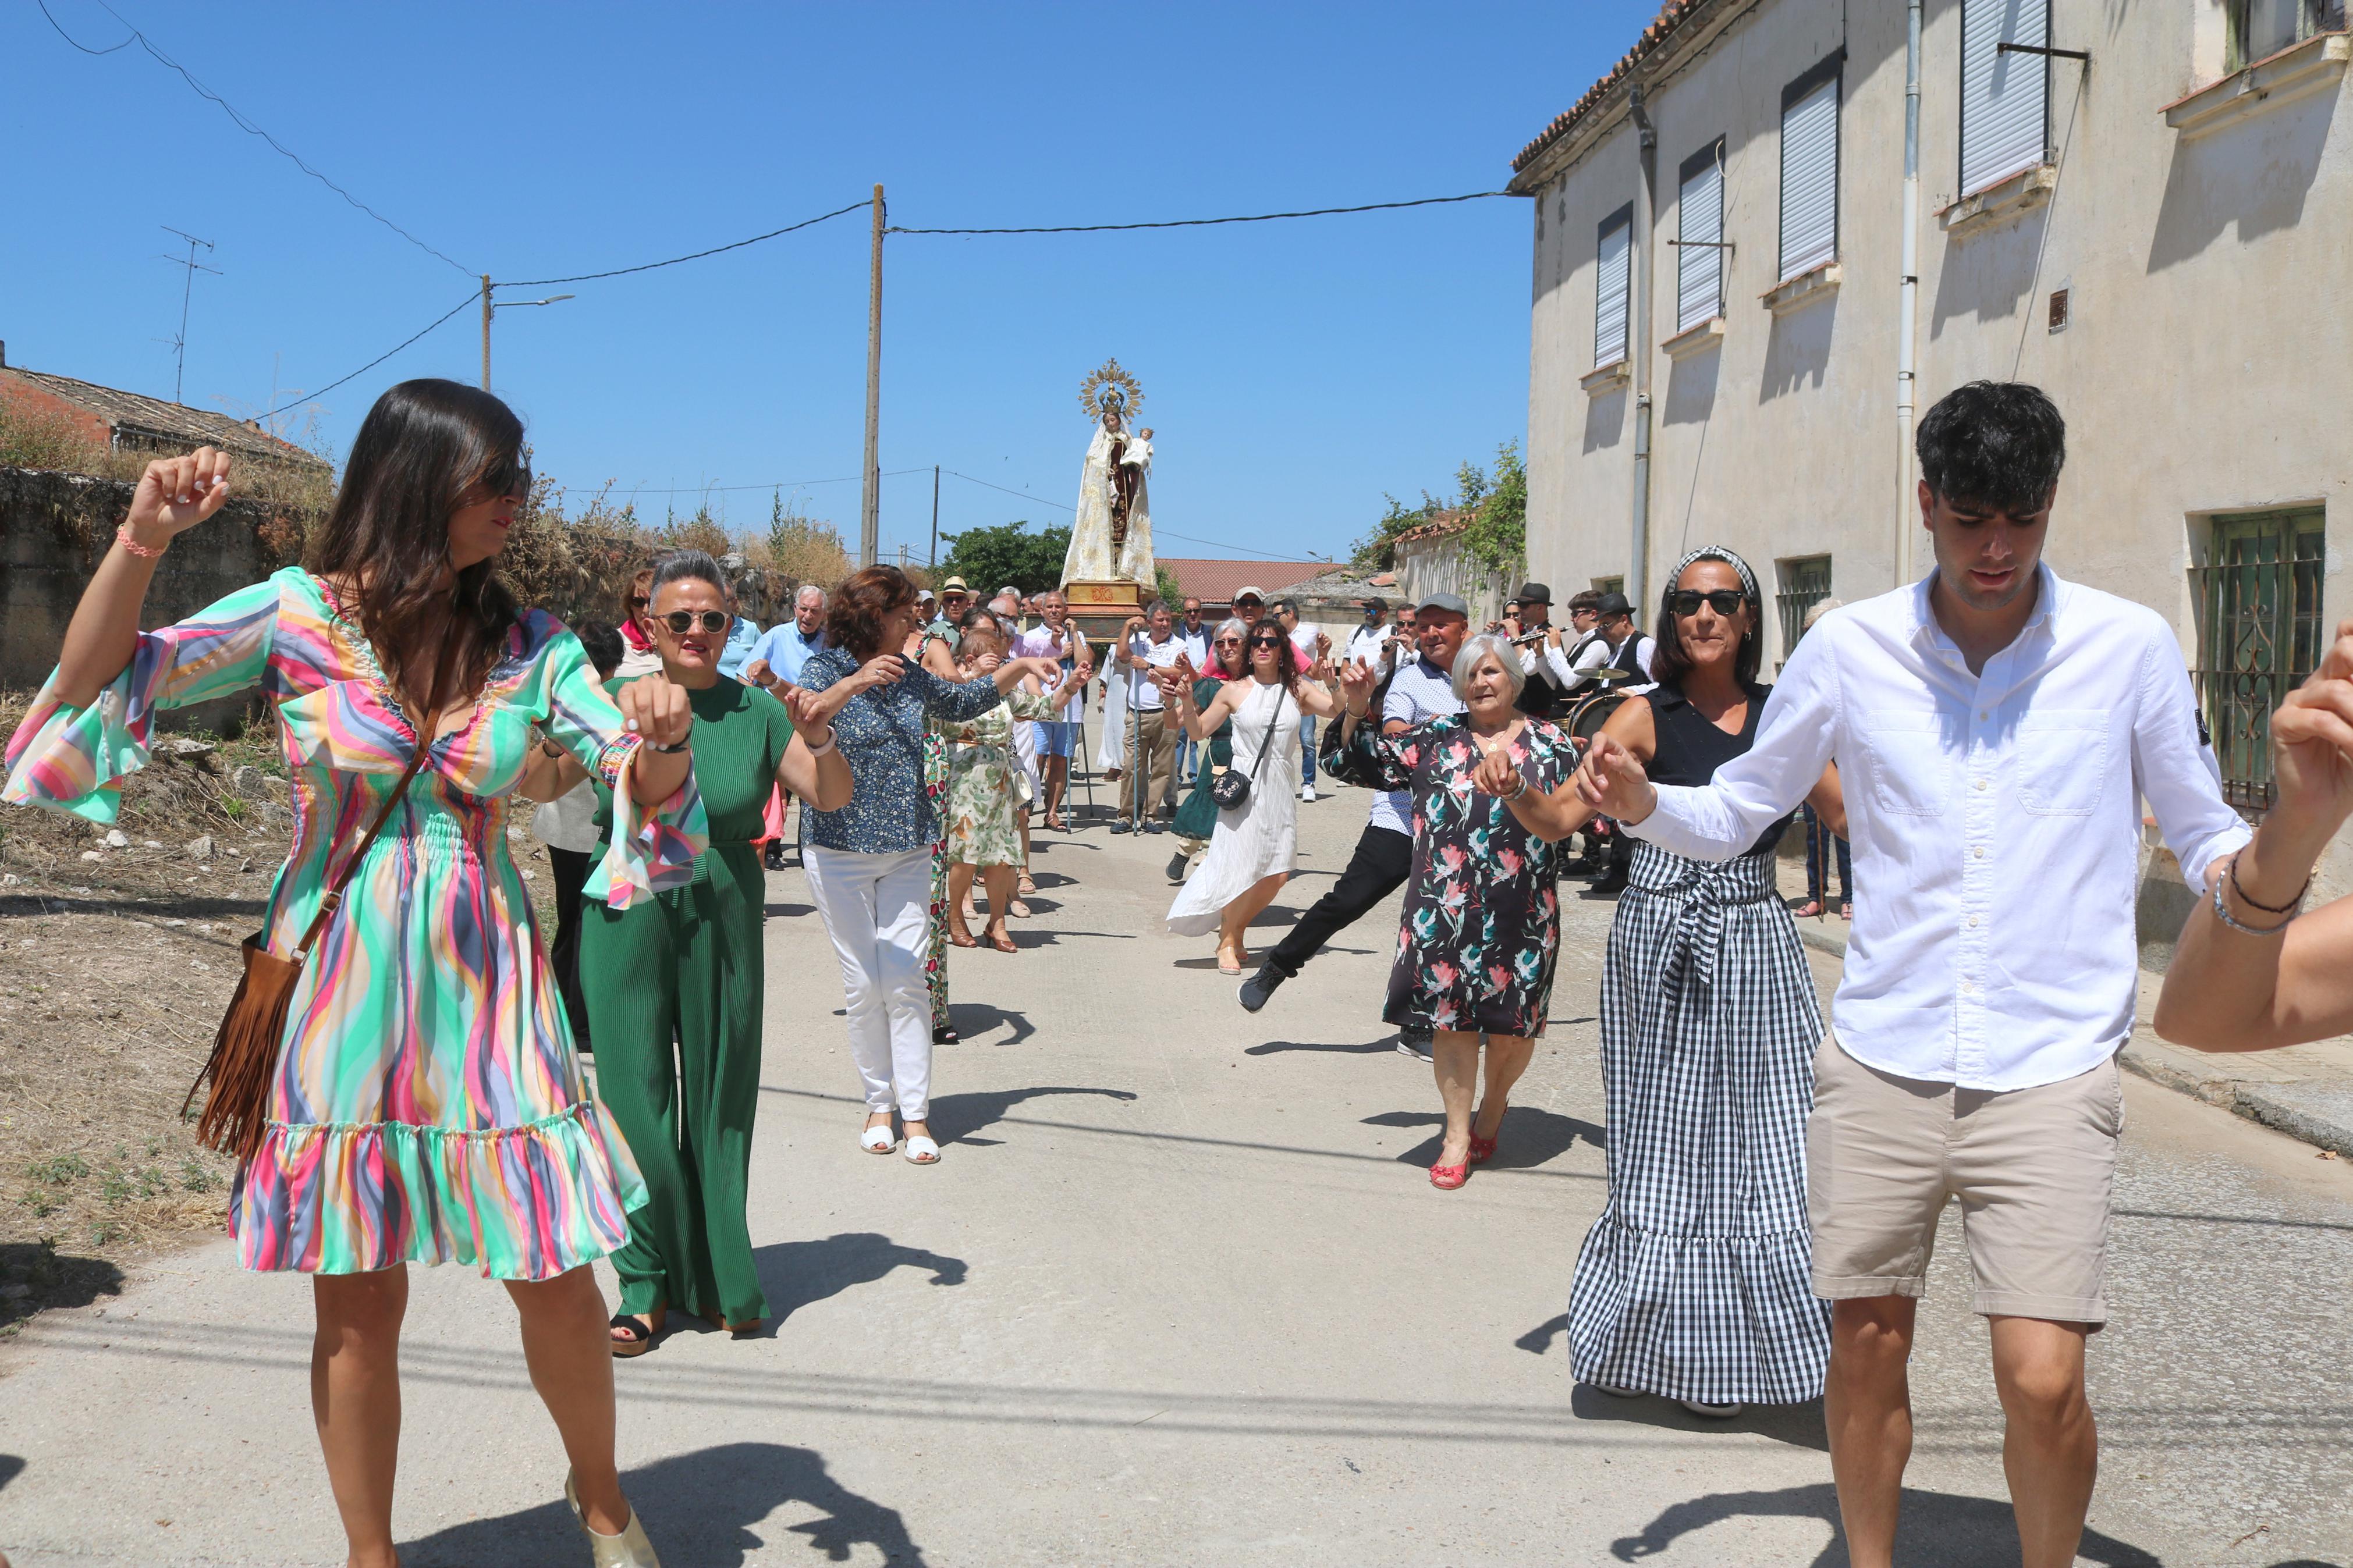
x,y
1637,565
1908,507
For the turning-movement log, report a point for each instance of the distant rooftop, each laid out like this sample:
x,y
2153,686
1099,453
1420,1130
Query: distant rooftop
x,y
134,420
1215,581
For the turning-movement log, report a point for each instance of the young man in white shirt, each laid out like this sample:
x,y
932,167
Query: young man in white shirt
x,y
1149,643
1996,728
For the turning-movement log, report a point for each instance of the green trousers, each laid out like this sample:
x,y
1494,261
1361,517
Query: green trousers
x,y
674,991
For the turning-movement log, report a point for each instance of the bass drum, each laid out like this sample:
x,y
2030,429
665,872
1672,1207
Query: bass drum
x,y
1585,720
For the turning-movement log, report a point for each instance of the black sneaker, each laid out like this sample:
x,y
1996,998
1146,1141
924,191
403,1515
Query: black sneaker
x,y
1176,865
775,858
1260,986
1413,1040
1155,827
1123,825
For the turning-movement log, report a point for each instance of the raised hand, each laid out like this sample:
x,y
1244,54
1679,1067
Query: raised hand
x,y
2312,747
757,673
656,710
1356,683
1611,780
174,494
988,664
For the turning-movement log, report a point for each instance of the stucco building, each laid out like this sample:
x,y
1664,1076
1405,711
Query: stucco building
x,y
1746,290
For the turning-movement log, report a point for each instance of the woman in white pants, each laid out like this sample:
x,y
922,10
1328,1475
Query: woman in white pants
x,y
869,864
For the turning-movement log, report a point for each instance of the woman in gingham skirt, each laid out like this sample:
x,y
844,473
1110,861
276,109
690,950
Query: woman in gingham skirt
x,y
1695,1283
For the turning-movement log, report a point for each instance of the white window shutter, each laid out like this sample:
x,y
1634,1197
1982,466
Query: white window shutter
x,y
1699,260
1809,152
2005,98
1611,278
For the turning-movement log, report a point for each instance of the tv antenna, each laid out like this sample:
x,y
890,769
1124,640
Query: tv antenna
x,y
180,344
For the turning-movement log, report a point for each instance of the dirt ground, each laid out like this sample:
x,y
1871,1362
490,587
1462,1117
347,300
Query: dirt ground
x,y
116,961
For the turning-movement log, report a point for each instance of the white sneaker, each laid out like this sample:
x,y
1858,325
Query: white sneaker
x,y
1711,1412
1307,792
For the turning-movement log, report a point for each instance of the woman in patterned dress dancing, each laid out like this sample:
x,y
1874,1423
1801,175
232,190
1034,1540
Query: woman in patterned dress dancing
x,y
1481,929
426,1106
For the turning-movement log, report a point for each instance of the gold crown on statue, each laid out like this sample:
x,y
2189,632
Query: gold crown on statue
x,y
1110,389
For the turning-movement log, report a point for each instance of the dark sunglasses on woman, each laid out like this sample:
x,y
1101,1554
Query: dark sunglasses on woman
x,y
1266,642
508,477
684,621
1723,601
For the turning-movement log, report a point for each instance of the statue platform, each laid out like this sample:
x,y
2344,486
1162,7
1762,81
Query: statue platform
x,y
1101,608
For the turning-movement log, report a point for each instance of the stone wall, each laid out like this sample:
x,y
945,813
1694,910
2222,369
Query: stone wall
x,y
54,529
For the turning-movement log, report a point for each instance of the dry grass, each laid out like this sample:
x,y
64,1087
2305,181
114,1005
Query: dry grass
x,y
32,441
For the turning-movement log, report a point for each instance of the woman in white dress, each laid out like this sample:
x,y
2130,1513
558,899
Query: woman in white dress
x,y
1256,844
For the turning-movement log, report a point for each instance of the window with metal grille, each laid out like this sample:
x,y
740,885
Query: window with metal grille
x,y
2005,98
1810,168
2259,636
1699,230
1613,253
2257,29
1805,583
1609,585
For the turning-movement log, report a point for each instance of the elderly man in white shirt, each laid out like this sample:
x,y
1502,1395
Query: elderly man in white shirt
x,y
1997,727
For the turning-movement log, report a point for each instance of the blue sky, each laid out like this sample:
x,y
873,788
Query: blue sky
x,y
1293,372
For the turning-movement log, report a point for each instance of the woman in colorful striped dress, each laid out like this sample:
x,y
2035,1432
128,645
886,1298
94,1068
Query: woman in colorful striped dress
x,y
426,1106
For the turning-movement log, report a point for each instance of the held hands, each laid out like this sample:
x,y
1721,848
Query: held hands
x,y
175,494
757,673
1495,773
1611,780
988,664
2312,747
812,716
655,711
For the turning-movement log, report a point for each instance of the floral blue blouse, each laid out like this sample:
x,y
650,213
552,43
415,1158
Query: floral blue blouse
x,y
880,733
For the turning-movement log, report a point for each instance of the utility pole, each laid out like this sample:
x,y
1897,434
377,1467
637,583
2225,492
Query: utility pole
x,y
486,331
935,514
180,344
870,523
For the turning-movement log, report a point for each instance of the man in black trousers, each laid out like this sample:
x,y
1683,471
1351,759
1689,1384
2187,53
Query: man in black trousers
x,y
1423,689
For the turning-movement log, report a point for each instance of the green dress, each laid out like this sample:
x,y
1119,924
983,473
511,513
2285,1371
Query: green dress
x,y
983,828
1197,817
687,966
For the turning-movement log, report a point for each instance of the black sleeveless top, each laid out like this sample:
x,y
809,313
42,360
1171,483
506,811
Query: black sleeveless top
x,y
1690,748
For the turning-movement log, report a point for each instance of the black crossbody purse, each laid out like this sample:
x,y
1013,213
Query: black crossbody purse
x,y
1232,787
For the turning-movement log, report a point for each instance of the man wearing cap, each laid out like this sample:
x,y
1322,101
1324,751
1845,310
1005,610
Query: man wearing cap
x,y
1366,643
954,599
1629,649
1250,604
1423,688
1545,688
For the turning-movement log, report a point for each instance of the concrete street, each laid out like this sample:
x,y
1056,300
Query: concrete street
x,y
1180,1293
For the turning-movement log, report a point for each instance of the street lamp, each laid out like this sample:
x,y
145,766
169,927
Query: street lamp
x,y
487,307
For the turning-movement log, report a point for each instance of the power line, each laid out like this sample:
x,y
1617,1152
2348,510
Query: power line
x,y
1206,222
239,120
774,484
697,256
315,396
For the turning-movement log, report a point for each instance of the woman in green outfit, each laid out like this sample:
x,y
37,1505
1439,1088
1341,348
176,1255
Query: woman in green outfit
x,y
687,966
983,834
1197,819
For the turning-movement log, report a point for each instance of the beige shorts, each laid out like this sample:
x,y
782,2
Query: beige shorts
x,y
2032,1169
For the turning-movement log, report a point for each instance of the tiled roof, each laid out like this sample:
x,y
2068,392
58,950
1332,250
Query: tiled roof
x,y
1216,582
1443,523
151,418
1672,15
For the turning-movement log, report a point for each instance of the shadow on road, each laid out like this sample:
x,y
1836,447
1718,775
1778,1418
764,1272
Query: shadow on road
x,y
784,912
1529,1137
956,1117
794,1273
10,1466
1799,1425
698,1507
975,1018
1028,940
1276,1048
1939,1531
37,1277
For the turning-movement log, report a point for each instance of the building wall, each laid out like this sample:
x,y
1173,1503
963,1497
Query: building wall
x,y
2207,365
1439,563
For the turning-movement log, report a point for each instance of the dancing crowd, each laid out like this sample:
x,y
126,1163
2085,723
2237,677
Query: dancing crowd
x,y
1967,745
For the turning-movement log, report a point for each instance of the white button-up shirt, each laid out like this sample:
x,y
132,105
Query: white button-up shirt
x,y
1995,819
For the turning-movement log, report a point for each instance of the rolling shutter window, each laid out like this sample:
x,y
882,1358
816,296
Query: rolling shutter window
x,y
1810,159
1612,276
1699,217
2005,99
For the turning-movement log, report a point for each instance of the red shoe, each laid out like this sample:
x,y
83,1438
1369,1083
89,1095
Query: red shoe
x,y
1449,1177
1481,1148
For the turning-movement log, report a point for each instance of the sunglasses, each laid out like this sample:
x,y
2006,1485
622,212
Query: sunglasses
x,y
639,601
1268,642
510,477
1723,601
681,622
1229,642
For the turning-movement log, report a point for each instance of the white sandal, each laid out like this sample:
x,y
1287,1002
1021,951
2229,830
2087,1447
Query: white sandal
x,y
878,1140
922,1151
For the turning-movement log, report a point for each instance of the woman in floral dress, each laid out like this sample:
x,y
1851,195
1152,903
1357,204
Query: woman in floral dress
x,y
984,834
1482,927
428,1106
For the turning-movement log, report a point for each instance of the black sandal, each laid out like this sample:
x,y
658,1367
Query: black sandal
x,y
946,1034
641,1333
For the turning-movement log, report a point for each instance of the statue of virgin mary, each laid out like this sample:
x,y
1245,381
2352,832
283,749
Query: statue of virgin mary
x,y
1111,541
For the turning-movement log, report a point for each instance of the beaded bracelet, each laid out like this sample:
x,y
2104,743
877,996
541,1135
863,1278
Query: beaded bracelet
x,y
144,551
2224,914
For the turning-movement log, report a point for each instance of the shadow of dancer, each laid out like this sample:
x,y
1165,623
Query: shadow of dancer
x,y
956,1117
794,1273
699,1508
1964,1532
1528,1137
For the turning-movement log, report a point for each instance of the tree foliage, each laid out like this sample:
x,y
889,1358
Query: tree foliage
x,y
801,548
1496,504
989,558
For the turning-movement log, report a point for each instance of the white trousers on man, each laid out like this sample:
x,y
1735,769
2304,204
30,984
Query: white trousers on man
x,y
877,909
